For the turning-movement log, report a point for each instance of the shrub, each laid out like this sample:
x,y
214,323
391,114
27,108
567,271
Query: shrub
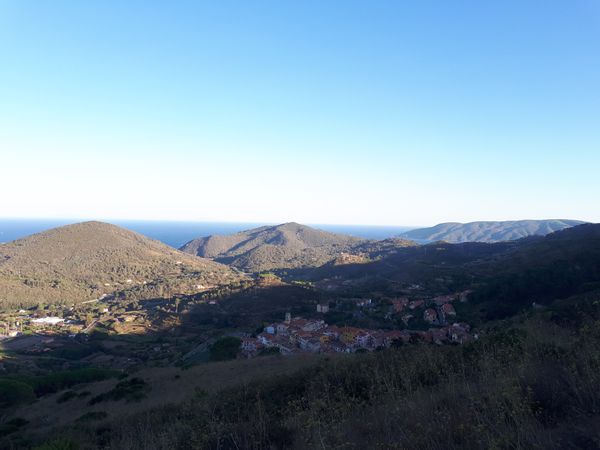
x,y
57,381
14,392
93,415
269,351
12,425
130,390
225,348
58,444
66,396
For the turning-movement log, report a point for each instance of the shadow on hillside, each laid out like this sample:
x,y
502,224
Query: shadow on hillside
x,y
161,334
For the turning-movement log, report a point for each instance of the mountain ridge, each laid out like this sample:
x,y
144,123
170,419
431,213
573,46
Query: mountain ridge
x,y
488,231
288,245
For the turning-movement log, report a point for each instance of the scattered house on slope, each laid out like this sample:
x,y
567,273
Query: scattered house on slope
x,y
265,338
283,328
430,315
448,309
313,325
443,299
459,333
322,308
47,321
309,343
438,335
250,346
399,304
332,331
362,302
416,304
463,296
395,335
364,339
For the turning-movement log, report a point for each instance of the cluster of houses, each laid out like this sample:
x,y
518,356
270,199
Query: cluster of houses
x,y
299,335
436,311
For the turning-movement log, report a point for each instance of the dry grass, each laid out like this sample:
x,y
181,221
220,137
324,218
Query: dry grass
x,y
77,262
169,386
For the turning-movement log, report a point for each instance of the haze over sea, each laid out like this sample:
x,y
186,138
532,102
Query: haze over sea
x,y
176,234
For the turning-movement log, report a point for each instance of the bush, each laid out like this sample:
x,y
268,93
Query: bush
x,y
266,351
225,348
93,415
57,381
66,396
12,425
74,351
58,444
130,390
13,393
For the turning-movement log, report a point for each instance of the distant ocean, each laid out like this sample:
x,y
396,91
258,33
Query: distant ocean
x,y
176,234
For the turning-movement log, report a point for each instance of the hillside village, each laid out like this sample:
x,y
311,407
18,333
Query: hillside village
x,y
300,335
426,319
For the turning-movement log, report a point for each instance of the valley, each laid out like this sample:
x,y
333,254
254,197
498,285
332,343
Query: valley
x,y
169,329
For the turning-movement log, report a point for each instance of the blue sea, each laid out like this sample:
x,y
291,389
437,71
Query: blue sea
x,y
176,234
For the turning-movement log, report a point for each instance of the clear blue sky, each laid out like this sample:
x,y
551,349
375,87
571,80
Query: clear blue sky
x,y
398,113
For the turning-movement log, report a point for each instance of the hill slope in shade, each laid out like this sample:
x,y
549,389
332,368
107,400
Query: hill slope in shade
x,y
488,231
540,270
289,245
85,260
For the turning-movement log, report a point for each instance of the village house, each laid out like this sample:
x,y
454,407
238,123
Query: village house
x,y
416,304
430,315
47,321
332,331
283,344
406,318
364,339
443,299
459,332
322,308
299,335
250,344
448,309
282,328
310,344
399,304
463,296
308,325
395,335
362,302
438,335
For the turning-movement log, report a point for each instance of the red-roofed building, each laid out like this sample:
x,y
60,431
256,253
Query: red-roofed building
x,y
438,335
395,335
430,315
448,309
416,304
442,299
399,304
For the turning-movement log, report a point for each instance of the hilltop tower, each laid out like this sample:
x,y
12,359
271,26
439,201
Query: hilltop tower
x,y
288,317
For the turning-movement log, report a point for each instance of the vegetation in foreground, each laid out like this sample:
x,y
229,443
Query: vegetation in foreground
x,y
530,382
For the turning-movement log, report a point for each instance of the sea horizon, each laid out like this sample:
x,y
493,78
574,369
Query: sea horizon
x,y
177,233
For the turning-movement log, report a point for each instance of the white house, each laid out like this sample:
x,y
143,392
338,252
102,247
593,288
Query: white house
x,y
48,321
